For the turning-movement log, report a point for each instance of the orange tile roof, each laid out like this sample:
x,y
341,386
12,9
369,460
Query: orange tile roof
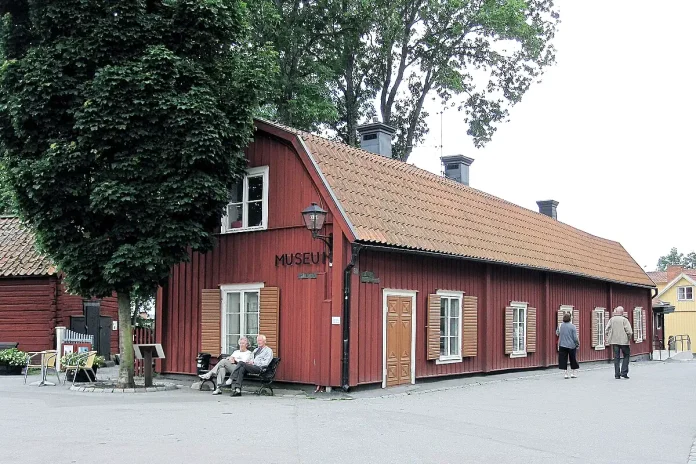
x,y
660,277
18,254
396,204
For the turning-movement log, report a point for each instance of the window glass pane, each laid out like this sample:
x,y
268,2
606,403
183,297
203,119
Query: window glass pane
x,y
690,293
232,343
454,326
443,352
255,214
236,192
454,346
251,311
255,188
234,216
515,315
233,303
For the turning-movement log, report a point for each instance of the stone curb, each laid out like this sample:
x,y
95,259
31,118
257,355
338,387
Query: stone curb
x,y
159,387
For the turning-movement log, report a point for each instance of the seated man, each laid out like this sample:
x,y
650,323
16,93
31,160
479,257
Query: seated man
x,y
229,365
263,356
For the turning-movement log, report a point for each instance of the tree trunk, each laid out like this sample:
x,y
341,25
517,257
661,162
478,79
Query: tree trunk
x,y
125,342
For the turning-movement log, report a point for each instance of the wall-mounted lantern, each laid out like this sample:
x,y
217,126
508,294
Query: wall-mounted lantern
x,y
314,218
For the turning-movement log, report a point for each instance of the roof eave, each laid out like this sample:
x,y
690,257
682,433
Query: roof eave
x,y
395,249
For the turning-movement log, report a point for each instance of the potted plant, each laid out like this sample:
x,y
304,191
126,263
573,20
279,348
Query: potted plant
x,y
82,376
12,361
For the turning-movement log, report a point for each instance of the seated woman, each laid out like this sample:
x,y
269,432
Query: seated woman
x,y
230,364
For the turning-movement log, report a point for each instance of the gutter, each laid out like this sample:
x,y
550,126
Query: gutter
x,y
355,252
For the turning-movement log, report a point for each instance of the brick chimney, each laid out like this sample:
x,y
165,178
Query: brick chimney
x,y
673,271
376,137
457,167
548,208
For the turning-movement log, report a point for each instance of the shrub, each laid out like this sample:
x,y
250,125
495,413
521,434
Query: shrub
x,y
13,357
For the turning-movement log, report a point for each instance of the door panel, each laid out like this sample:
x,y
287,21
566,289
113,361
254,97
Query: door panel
x,y
399,325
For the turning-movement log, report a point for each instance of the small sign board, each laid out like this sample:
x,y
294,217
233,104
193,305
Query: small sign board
x,y
368,277
336,320
310,275
154,348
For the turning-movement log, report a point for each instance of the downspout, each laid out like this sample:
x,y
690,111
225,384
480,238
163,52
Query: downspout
x,y
652,297
355,251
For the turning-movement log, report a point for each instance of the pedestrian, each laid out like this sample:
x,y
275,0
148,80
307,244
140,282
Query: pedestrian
x,y
568,344
618,334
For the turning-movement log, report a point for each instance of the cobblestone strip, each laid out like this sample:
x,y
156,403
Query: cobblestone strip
x,y
155,389
692,454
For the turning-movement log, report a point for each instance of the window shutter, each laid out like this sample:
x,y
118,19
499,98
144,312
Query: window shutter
x,y
643,324
508,330
269,308
531,330
559,321
211,309
576,320
433,328
636,339
470,326
595,328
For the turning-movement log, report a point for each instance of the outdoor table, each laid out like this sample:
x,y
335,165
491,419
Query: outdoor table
x,y
43,381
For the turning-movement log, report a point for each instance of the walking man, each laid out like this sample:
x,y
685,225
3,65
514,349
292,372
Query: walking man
x,y
618,333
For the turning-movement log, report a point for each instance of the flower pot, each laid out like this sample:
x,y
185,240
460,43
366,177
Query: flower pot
x,y
82,376
10,370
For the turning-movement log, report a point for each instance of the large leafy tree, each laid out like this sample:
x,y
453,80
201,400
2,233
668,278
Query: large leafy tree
x,y
678,259
121,128
477,56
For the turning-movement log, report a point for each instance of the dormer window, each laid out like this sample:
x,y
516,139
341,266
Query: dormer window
x,y
248,206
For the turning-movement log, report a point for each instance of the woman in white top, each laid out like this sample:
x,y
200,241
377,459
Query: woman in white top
x,y
229,365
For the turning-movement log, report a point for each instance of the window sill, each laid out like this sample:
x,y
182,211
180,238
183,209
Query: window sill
x,y
518,355
248,229
448,360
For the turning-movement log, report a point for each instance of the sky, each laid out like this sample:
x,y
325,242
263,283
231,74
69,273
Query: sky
x,y
609,132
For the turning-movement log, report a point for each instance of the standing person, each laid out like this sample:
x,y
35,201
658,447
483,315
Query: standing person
x,y
263,355
568,344
618,333
230,365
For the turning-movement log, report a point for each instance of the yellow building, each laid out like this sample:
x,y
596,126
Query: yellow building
x,y
677,286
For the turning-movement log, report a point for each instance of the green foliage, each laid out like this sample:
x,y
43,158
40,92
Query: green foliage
x,y
676,258
80,359
13,357
476,56
6,198
121,128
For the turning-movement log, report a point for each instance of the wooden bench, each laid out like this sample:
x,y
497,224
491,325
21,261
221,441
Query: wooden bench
x,y
8,345
265,377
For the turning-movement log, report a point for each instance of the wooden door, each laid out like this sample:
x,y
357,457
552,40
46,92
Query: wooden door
x,y
399,325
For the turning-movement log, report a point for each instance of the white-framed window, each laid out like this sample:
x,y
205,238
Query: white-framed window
x,y
450,326
248,206
240,314
685,293
567,309
638,324
519,328
601,325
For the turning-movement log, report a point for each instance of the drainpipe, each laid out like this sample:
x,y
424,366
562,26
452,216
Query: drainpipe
x,y
355,251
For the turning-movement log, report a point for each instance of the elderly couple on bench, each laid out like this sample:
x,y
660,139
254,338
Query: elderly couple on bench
x,y
241,362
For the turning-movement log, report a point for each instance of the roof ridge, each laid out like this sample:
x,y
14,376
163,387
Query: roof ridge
x,y
426,174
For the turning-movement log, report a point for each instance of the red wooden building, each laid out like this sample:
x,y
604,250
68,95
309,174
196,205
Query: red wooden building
x,y
33,301
424,276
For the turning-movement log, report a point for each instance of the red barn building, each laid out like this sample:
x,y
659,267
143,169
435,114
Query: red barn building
x,y
421,276
33,301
